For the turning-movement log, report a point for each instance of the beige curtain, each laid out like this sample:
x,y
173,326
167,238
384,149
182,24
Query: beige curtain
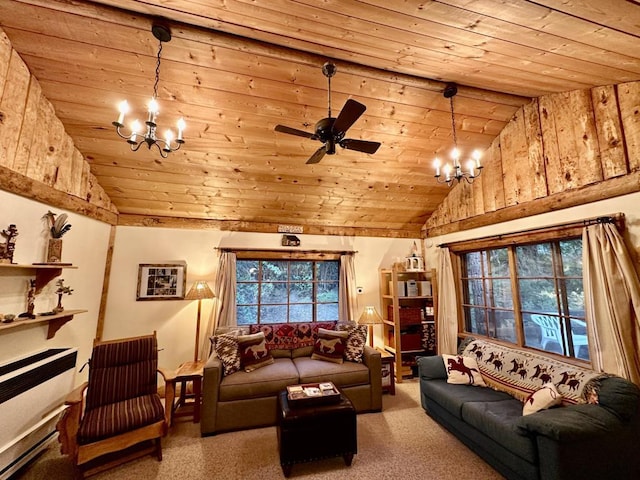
x,y
348,295
224,308
447,321
612,302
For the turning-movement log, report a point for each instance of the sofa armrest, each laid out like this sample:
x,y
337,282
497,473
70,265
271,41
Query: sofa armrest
x,y
570,423
212,376
431,368
373,360
584,441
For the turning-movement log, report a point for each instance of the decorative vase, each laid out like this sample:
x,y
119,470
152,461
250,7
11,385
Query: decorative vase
x,y
54,250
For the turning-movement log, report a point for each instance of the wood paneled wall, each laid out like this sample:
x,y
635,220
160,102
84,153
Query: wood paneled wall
x,y
558,151
34,144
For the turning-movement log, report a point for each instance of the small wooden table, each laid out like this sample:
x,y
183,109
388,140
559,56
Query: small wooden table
x,y
189,372
388,379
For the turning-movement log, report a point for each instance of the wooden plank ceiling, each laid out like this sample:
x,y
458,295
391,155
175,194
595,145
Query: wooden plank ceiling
x,y
235,69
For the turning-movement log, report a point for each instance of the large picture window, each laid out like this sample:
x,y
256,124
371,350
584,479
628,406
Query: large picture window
x,y
530,295
277,291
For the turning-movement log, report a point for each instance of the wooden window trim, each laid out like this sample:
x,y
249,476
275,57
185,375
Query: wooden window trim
x,y
536,235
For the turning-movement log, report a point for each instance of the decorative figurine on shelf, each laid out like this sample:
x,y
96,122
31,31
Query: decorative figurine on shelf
x,y
58,227
31,299
62,290
6,250
414,263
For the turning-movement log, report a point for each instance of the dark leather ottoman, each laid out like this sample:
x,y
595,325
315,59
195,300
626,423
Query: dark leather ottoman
x,y
315,432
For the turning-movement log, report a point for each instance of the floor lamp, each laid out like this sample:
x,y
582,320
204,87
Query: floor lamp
x,y
199,290
370,317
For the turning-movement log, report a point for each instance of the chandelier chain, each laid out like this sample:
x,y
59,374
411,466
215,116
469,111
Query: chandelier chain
x,y
155,85
453,124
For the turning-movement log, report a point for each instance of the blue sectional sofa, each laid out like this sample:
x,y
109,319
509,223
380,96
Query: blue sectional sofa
x,y
577,440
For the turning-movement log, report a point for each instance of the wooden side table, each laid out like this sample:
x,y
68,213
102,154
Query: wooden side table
x,y
388,380
189,372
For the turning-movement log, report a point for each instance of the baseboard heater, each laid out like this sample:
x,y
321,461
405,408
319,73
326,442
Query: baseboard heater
x,y
32,392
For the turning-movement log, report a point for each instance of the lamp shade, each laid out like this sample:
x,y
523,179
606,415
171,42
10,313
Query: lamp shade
x,y
199,291
370,316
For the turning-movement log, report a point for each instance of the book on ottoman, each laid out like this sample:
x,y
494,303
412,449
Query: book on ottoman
x,y
309,394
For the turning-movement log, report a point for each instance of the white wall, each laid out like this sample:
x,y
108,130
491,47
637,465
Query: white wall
x,y
175,320
85,246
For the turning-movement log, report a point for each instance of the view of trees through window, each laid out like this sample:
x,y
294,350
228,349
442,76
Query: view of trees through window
x,y
534,289
275,291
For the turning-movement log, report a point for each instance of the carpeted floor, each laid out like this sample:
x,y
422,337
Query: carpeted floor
x,y
400,442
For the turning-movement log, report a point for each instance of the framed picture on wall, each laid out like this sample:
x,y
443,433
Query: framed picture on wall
x,y
163,281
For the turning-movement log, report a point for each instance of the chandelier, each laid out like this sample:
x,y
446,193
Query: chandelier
x,y
136,139
454,171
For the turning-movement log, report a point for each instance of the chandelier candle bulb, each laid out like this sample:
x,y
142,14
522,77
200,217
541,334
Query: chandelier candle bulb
x,y
123,108
436,164
181,126
168,135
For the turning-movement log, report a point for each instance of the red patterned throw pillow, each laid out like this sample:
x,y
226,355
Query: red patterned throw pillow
x,y
253,352
330,345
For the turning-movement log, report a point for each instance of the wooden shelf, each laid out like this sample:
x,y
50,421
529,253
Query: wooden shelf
x,y
45,272
397,334
55,321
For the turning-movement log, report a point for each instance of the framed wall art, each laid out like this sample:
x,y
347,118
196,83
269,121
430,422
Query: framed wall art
x,y
164,281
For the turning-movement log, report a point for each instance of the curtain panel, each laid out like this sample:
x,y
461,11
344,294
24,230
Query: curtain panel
x,y
447,320
612,302
224,311
347,289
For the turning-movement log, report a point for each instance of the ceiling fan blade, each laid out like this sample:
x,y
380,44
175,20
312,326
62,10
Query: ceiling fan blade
x,y
360,145
347,116
293,131
317,156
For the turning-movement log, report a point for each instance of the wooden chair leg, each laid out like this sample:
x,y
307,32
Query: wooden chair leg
x,y
159,449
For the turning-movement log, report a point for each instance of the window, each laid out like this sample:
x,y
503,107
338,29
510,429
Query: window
x,y
275,291
530,295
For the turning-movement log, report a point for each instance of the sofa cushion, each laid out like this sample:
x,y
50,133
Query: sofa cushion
x,y
330,346
263,382
463,370
357,339
545,397
288,336
498,420
115,418
225,347
345,374
452,397
253,352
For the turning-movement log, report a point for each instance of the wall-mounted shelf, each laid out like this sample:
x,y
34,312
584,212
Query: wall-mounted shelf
x,y
45,272
55,321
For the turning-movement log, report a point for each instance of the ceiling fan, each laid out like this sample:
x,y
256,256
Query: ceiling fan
x,y
331,131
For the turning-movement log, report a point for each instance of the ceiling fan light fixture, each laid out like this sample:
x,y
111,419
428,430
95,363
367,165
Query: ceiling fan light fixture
x,y
135,139
453,171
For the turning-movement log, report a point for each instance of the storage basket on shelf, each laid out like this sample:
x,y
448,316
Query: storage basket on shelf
x,y
408,315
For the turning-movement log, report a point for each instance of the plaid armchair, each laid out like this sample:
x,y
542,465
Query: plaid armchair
x,y
118,408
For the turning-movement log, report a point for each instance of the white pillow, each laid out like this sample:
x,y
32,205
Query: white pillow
x,y
462,370
546,397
